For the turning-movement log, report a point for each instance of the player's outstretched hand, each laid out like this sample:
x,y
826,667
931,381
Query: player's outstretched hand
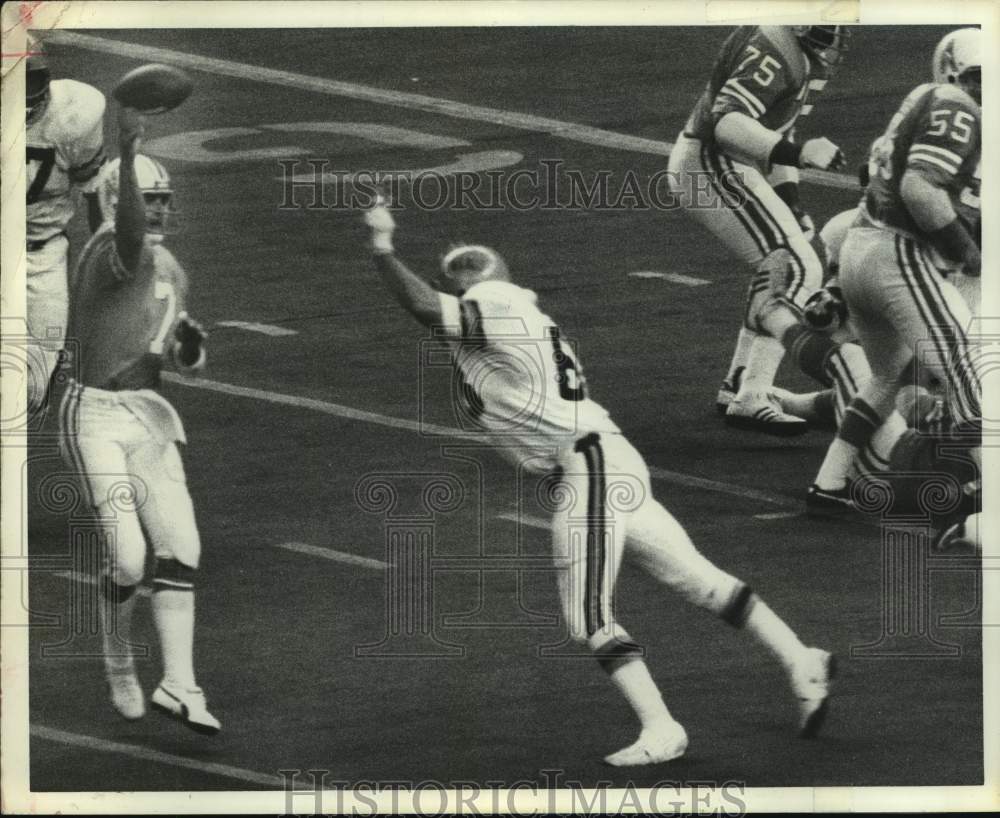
x,y
382,225
131,129
821,153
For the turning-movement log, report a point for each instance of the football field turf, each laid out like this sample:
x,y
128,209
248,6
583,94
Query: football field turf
x,y
317,379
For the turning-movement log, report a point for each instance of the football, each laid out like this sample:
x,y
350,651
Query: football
x,y
154,88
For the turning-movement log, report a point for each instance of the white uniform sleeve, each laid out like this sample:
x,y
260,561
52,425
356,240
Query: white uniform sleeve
x,y
85,149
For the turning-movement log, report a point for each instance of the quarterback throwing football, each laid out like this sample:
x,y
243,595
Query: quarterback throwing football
x,y
526,390
126,317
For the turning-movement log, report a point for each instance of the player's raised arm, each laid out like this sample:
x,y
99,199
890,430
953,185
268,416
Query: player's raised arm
x,y
421,300
130,217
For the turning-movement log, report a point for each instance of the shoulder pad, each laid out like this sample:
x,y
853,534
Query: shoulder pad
x,y
946,92
76,108
780,42
498,292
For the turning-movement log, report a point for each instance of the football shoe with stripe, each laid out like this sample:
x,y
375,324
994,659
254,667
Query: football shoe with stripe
x,y
655,745
187,706
760,411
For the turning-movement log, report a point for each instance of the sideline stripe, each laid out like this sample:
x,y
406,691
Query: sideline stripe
x,y
333,554
431,429
401,99
148,754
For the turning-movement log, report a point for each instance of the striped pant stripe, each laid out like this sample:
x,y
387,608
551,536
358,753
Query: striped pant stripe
x,y
714,181
69,430
590,447
779,238
947,335
962,360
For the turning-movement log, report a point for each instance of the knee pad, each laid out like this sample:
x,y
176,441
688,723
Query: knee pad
x,y
614,651
173,576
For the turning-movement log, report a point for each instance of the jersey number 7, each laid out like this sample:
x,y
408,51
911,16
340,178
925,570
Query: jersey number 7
x,y
44,159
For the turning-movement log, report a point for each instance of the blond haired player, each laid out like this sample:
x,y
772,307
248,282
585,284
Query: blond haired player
x,y
64,122
917,225
126,317
738,139
527,392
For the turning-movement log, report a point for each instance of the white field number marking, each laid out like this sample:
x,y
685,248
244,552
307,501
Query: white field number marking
x,y
561,129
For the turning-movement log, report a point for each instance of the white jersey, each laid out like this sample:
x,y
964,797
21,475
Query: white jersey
x,y
65,147
521,382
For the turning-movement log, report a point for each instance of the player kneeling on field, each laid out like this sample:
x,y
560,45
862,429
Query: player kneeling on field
x,y
527,393
126,315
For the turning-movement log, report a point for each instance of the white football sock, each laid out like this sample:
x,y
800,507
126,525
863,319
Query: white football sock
x,y
771,631
742,352
173,613
632,678
765,357
836,465
116,632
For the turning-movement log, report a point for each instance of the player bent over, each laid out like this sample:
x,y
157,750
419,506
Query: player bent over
x,y
917,225
530,400
738,138
126,316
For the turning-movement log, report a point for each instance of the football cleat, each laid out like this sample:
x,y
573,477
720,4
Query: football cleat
x,y
654,746
811,683
823,501
187,706
728,391
126,695
761,412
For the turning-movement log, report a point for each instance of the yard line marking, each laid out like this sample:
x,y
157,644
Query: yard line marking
x,y
254,326
777,515
325,407
88,579
676,278
333,554
525,519
147,754
401,99
339,410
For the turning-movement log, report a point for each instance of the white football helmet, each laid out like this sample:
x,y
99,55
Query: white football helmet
x,y
154,182
958,60
469,264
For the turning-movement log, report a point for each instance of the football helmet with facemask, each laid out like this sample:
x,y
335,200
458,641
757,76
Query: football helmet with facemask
x,y
37,78
826,43
469,264
958,60
154,182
